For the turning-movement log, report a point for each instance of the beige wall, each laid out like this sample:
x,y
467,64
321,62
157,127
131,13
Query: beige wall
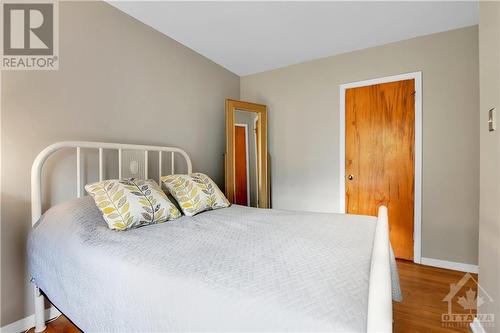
x,y
119,81
303,103
489,220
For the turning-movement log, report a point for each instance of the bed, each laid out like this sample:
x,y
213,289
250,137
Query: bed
x,y
231,269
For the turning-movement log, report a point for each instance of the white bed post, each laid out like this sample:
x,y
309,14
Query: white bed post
x,y
36,212
379,317
39,310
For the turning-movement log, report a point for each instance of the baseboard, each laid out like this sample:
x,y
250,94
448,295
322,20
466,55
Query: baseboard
x,y
476,326
29,322
456,266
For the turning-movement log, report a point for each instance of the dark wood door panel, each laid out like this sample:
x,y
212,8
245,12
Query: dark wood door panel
x,y
380,136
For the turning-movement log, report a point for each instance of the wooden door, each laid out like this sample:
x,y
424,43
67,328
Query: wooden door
x,y
240,166
379,165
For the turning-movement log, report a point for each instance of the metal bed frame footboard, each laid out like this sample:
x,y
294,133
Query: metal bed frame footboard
x,y
36,185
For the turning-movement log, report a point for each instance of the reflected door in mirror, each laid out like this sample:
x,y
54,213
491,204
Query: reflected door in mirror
x,y
246,154
246,159
241,188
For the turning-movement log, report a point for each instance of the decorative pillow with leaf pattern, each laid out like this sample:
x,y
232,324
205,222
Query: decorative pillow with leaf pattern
x,y
195,193
131,203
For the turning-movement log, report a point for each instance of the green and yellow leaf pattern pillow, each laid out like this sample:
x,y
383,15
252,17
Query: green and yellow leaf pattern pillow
x,y
130,203
195,193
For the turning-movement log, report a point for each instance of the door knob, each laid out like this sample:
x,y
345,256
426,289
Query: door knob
x,y
350,177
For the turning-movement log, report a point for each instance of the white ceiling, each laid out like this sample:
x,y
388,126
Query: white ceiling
x,y
252,37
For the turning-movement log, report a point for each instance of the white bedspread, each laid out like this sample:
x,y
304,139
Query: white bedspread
x,y
233,269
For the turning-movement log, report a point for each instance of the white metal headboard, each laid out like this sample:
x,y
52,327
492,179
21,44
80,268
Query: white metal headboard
x,y
36,169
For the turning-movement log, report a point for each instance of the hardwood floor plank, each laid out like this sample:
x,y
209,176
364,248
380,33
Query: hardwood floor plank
x,y
424,288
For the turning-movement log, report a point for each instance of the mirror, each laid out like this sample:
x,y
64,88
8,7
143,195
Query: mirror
x,y
246,154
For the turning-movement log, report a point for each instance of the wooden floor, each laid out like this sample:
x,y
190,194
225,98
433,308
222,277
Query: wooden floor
x,y
423,290
59,325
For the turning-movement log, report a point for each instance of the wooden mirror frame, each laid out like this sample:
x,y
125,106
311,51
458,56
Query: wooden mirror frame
x,y
262,172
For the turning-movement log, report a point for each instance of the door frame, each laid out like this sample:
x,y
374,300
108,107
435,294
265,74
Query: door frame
x,y
417,218
247,160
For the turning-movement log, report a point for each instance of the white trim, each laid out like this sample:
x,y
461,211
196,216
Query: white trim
x,y
456,266
26,323
476,326
247,161
417,219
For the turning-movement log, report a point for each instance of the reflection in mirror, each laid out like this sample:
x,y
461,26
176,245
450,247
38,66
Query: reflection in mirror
x,y
246,158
